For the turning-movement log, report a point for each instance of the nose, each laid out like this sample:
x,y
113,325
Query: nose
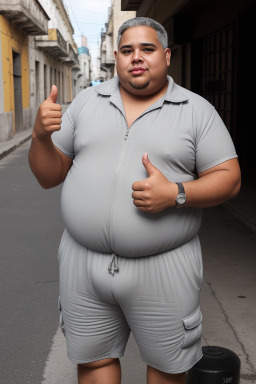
x,y
137,57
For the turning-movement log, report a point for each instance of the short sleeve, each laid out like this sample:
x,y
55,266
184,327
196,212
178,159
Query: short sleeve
x,y
64,138
214,146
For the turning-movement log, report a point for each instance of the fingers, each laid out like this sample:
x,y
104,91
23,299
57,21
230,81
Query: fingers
x,y
139,195
50,116
150,168
53,95
140,203
54,114
46,107
51,121
144,206
142,200
55,107
52,128
140,185
50,125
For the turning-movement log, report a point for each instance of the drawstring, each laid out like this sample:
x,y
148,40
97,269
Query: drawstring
x,y
113,265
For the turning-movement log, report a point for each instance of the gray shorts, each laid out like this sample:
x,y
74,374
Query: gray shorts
x,y
103,297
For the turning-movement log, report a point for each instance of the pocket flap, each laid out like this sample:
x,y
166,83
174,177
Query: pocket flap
x,y
193,320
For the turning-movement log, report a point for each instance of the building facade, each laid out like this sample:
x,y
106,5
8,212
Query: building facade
x,y
211,43
53,58
109,37
19,19
37,50
84,57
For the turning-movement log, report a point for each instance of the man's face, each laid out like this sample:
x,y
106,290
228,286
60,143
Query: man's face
x,y
141,61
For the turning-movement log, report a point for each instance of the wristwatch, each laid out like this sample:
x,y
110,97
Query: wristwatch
x,y
181,198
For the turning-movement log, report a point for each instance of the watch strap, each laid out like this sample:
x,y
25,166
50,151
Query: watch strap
x,y
180,188
181,197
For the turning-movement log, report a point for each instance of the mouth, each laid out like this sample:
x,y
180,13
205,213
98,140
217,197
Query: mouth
x,y
138,71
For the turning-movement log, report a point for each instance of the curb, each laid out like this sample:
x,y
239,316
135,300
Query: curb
x,y
15,143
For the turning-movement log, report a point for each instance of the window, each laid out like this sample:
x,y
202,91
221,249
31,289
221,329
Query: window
x,y
218,72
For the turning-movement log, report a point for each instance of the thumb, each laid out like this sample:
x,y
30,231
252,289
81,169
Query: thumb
x,y
53,95
148,165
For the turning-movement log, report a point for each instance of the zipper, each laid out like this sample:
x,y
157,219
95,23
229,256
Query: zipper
x,y
111,229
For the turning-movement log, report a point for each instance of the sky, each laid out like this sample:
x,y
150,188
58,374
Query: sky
x,y
88,17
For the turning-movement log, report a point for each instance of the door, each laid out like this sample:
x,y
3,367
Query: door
x,y
18,109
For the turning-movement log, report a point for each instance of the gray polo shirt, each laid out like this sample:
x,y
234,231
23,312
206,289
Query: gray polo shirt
x,y
183,135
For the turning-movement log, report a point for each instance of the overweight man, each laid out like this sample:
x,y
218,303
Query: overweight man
x,y
140,157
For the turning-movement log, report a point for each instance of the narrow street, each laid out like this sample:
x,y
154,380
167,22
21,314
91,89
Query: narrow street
x,y
32,347
30,231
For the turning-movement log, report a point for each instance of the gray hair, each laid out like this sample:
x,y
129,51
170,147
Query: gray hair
x,y
137,21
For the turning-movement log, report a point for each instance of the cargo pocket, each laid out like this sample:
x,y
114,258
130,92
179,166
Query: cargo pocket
x,y
193,328
61,322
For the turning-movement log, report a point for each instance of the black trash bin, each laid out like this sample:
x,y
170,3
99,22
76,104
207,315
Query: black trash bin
x,y
217,366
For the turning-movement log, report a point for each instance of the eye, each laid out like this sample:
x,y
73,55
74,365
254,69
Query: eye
x,y
148,49
126,51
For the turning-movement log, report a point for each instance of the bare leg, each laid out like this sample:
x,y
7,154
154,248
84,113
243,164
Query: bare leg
x,y
107,371
154,376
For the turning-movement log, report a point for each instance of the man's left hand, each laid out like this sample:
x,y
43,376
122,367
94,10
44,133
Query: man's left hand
x,y
155,193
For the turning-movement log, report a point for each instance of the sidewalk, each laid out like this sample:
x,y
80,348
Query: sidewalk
x,y
8,146
243,207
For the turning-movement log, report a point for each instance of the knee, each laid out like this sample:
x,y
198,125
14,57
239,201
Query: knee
x,y
100,363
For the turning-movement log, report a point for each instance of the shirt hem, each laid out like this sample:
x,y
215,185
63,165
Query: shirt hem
x,y
63,150
217,162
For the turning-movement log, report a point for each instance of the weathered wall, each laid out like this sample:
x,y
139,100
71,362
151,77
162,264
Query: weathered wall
x,y
12,40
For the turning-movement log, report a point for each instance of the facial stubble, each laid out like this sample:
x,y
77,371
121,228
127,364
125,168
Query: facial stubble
x,y
141,86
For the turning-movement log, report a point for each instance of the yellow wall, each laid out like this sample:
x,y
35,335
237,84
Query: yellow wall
x,y
52,34
13,39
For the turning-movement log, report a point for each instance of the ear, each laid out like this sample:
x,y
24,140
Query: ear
x,y
168,56
115,53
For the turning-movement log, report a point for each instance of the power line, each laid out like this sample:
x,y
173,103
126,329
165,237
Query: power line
x,y
84,22
86,10
74,17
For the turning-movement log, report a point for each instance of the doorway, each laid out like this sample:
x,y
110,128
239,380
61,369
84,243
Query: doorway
x,y
18,109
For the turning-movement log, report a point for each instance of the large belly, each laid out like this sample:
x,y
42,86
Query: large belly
x,y
99,213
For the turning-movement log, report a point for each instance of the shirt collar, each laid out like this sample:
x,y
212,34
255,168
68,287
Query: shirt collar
x,y
174,92
108,88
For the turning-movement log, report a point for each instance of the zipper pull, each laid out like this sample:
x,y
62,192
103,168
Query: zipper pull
x,y
126,135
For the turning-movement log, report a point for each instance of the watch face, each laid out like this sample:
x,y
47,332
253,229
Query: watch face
x,y
181,199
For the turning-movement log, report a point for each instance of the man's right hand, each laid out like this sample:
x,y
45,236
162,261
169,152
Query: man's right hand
x,y
48,118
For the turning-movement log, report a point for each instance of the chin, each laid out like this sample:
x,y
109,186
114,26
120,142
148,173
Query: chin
x,y
139,86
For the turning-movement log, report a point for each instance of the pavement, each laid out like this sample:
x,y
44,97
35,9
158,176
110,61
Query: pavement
x,y
228,238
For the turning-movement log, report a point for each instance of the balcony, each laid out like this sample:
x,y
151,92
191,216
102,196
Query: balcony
x,y
105,61
53,45
130,5
28,15
72,57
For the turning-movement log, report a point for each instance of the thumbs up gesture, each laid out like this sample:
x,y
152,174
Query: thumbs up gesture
x,y
48,117
156,193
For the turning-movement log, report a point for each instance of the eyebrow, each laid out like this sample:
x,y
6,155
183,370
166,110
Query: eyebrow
x,y
142,44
